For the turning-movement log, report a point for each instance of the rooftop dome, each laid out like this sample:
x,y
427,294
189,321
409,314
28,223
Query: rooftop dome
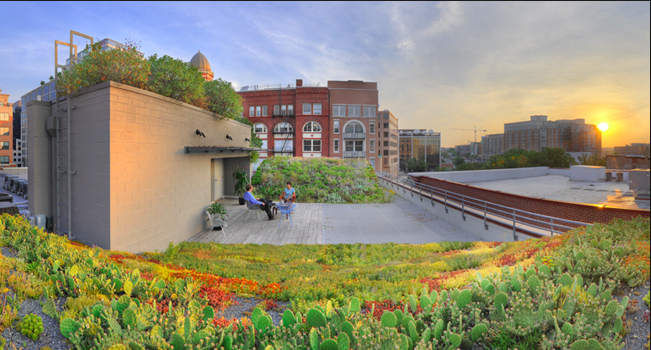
x,y
200,61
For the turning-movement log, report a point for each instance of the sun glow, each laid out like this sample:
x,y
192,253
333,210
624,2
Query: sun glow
x,y
603,126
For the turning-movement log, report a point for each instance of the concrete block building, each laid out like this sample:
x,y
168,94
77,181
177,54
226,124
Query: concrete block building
x,y
533,135
492,144
139,176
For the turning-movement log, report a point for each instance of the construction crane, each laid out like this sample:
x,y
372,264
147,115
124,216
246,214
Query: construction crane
x,y
475,130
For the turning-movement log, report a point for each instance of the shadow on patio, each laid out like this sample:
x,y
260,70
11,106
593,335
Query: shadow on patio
x,y
307,221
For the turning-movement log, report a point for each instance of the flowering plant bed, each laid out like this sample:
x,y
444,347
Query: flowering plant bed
x,y
553,293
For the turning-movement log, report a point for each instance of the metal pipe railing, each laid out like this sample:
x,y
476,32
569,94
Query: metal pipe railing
x,y
513,215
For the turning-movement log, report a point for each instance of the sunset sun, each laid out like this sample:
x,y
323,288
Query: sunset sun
x,y
603,126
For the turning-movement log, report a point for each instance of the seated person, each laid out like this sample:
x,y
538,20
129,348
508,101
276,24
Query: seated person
x,y
264,204
288,194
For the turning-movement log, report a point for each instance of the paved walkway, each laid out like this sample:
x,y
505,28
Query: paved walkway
x,y
316,223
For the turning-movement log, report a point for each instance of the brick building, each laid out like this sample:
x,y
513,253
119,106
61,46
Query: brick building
x,y
338,121
534,135
388,138
492,144
577,136
6,131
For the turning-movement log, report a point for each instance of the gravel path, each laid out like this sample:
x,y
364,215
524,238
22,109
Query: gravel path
x,y
8,252
51,335
244,307
639,335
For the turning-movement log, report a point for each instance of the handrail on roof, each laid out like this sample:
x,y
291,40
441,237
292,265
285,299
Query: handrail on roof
x,y
513,215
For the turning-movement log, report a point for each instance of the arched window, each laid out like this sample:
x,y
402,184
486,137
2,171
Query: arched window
x,y
283,127
259,128
312,127
354,127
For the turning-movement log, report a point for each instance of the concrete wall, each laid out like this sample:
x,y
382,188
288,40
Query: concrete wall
x,y
158,193
134,188
587,173
494,233
15,171
89,133
558,171
484,175
40,159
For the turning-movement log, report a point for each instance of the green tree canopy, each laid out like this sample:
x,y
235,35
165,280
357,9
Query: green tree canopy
x,y
176,79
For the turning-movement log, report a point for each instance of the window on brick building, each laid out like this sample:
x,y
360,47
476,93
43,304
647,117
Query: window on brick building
x,y
369,111
311,145
386,125
4,131
335,145
338,110
354,110
371,146
252,111
283,127
276,109
5,145
259,128
307,108
317,109
264,111
312,127
4,117
258,111
4,160
371,127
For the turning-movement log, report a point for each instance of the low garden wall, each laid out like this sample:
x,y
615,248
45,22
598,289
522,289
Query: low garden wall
x,y
588,213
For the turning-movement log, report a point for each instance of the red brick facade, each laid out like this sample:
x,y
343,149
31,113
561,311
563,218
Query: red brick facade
x,y
588,213
346,103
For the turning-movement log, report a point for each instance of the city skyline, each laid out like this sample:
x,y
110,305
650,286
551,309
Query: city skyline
x,y
437,65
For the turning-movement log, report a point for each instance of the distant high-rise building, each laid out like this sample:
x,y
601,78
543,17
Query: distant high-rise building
x,y
534,135
577,136
388,138
539,133
421,144
17,142
492,144
6,131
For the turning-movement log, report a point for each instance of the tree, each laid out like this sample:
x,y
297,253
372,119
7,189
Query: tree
x,y
592,159
176,79
458,161
222,99
558,158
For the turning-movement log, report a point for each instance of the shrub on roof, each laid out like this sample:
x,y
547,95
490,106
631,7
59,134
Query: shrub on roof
x,y
320,180
176,79
126,66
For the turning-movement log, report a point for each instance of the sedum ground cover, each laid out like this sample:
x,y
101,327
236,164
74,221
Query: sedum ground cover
x,y
558,293
320,180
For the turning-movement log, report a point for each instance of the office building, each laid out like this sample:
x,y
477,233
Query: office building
x,y
388,138
633,149
577,136
539,133
534,135
492,144
421,145
6,131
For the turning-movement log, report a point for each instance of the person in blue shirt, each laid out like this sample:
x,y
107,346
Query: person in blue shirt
x,y
289,194
264,204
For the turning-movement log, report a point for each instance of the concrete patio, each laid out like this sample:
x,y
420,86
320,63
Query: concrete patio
x,y
317,223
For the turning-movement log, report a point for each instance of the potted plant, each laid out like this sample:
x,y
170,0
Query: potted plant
x,y
218,208
241,179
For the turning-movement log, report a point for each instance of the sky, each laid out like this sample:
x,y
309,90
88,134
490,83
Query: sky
x,y
438,65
